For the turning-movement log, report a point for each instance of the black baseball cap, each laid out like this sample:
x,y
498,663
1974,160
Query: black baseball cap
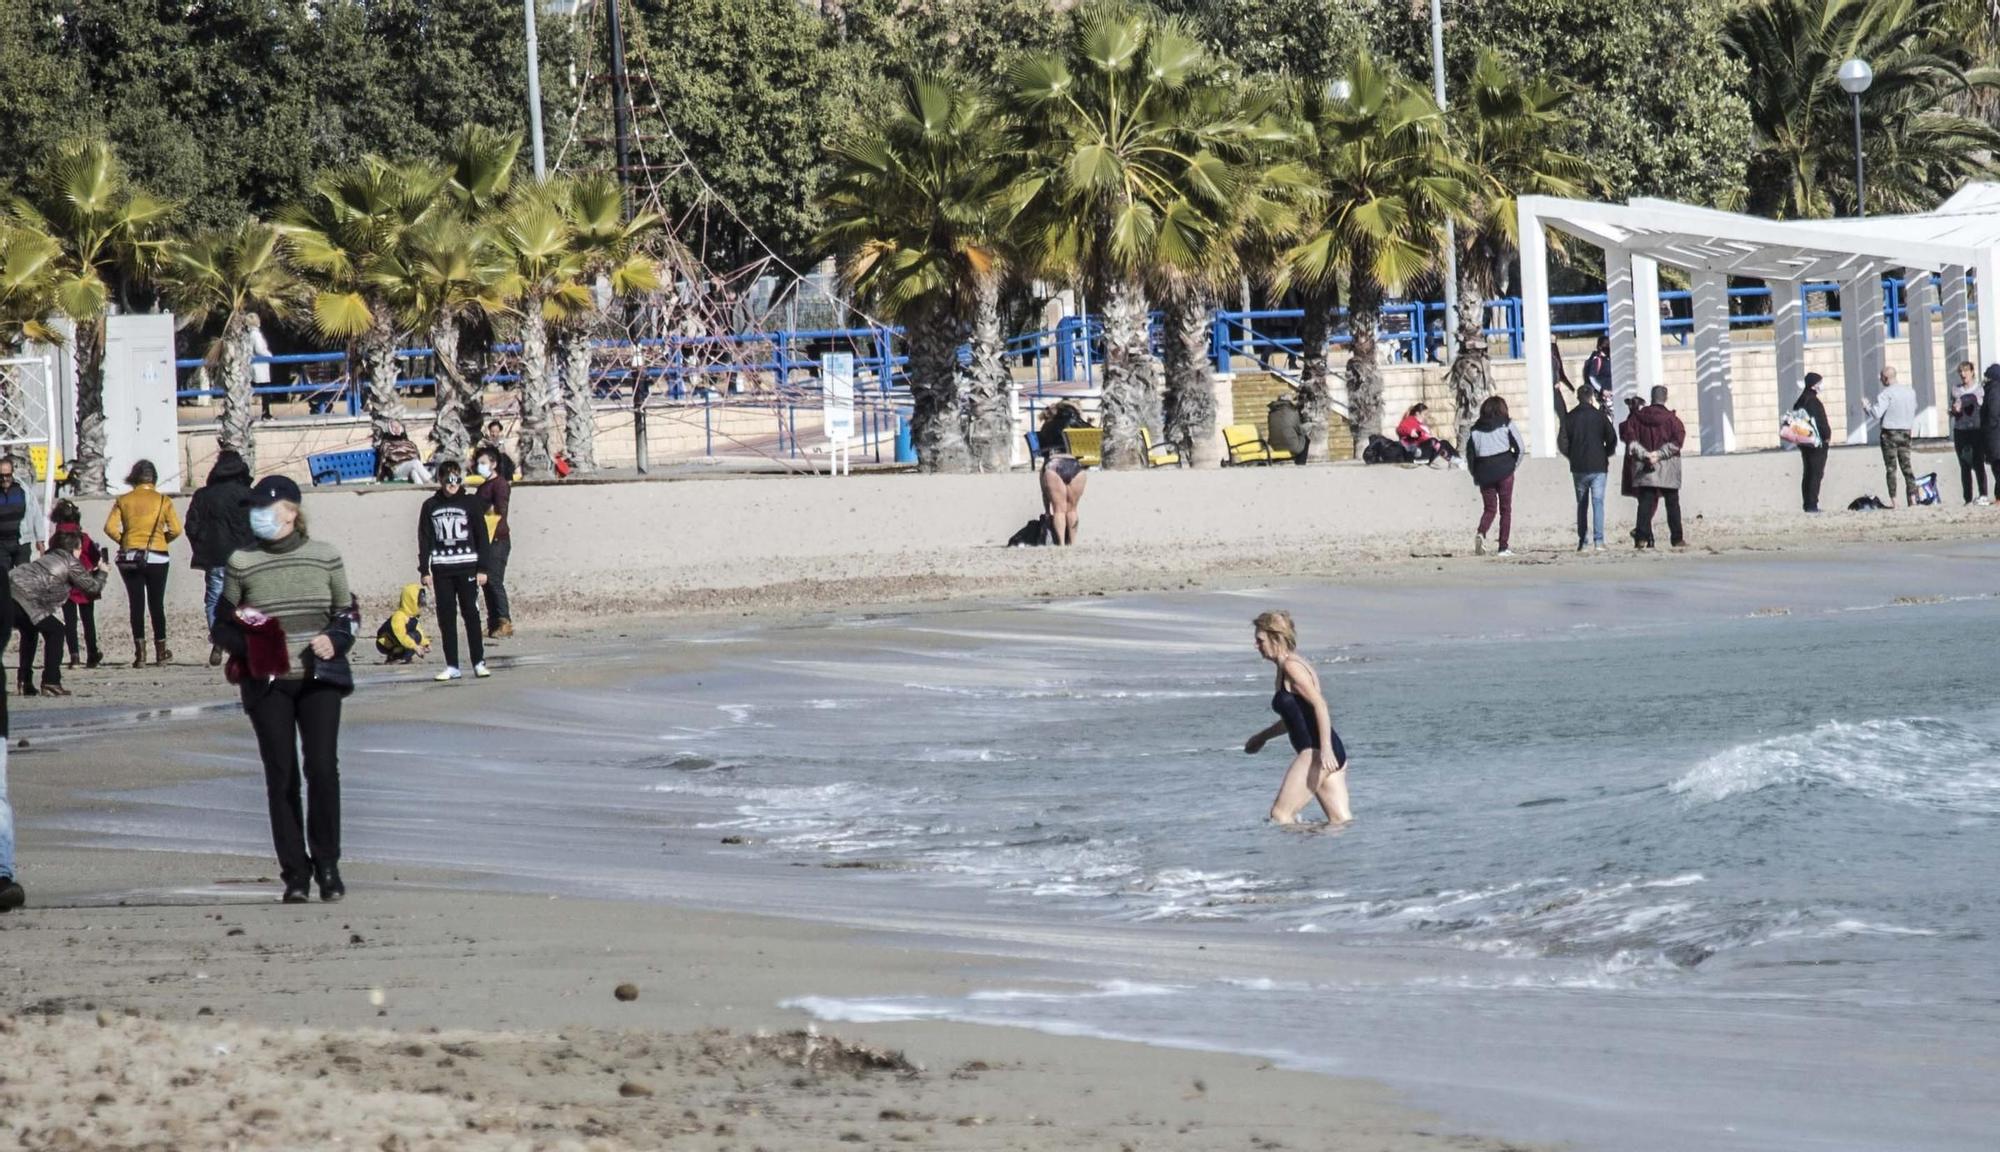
x,y
270,490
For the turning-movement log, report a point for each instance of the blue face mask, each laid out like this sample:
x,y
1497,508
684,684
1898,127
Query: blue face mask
x,y
264,523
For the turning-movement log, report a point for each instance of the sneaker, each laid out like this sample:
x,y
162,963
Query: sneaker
x,y
1983,501
449,674
1479,545
1504,552
480,670
1597,548
11,894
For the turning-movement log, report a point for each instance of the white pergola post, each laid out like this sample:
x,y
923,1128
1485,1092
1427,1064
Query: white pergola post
x,y
1986,268
1861,336
1715,399
1649,365
1624,329
1957,332
1788,319
1535,336
1919,296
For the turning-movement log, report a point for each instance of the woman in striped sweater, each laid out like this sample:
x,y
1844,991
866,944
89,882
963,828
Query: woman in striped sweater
x,y
287,620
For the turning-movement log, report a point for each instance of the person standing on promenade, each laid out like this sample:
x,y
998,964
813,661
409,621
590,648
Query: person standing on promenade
x,y
496,491
1493,451
142,524
496,435
288,588
1813,456
1319,760
40,588
1589,441
452,557
1895,409
1597,370
1966,439
82,606
1655,446
218,523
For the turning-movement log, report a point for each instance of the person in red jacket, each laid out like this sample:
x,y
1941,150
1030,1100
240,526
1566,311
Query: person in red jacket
x,y
82,606
1417,437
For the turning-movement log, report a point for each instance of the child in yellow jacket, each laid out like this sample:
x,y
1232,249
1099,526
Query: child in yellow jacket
x,y
401,637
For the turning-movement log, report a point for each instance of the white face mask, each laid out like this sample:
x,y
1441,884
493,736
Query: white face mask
x,y
485,470
264,523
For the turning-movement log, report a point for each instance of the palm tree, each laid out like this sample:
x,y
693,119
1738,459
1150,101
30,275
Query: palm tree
x,y
233,274
1107,131
606,250
1505,128
547,277
1918,149
29,273
110,234
353,224
1388,184
913,213
446,273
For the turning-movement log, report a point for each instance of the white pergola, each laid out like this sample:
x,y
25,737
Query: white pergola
x,y
1961,236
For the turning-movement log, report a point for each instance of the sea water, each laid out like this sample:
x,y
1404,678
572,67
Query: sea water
x,y
1698,858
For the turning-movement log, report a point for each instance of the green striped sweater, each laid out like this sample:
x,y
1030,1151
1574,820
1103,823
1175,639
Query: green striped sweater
x,y
300,582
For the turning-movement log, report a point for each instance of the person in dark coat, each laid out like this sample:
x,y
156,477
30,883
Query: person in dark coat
x,y
218,523
1654,448
1588,440
1989,421
1814,455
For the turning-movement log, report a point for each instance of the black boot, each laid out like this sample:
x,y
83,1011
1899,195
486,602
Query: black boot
x,y
330,887
24,687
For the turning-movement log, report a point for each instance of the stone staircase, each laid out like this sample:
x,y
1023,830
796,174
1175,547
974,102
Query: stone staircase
x,y
1251,401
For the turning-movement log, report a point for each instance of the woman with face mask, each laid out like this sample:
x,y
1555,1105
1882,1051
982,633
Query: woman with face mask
x,y
286,621
497,490
453,557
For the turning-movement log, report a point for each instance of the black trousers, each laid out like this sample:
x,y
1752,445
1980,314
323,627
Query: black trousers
x,y
288,715
1971,449
1815,462
458,595
50,632
1649,502
496,581
87,613
146,587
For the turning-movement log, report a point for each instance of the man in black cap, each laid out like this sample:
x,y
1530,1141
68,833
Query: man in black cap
x,y
1814,455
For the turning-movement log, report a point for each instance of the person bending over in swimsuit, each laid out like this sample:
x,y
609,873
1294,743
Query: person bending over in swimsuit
x,y
1319,760
1062,474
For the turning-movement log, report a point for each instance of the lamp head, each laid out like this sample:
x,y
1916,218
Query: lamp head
x,y
1856,76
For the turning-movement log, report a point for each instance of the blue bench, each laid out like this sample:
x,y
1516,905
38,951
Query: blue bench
x,y
355,466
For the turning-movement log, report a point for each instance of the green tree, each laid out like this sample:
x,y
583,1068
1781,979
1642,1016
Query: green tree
x,y
1505,129
1918,149
547,280
1107,131
606,253
445,273
913,212
1388,184
232,276
112,235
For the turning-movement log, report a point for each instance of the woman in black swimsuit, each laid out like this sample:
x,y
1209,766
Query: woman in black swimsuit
x,y
1319,760
1062,474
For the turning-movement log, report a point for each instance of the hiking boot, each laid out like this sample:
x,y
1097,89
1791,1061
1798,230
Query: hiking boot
x,y
96,658
503,629
24,688
160,653
215,655
330,887
49,689
12,895
138,654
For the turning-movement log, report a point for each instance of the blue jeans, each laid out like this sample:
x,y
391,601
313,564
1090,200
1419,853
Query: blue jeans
x,y
214,592
6,819
1589,505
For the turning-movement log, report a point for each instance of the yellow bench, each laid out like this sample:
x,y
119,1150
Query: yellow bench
x,y
1247,447
1086,444
1157,454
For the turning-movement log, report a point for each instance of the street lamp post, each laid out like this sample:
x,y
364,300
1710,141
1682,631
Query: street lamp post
x,y
1450,228
1855,77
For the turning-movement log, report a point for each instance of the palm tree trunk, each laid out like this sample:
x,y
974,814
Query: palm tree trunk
x,y
1472,368
236,430
88,468
1364,374
937,418
1128,370
1315,383
378,355
572,351
537,398
1190,403
448,428
990,433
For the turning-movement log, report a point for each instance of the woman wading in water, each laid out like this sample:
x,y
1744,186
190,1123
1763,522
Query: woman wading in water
x,y
1319,761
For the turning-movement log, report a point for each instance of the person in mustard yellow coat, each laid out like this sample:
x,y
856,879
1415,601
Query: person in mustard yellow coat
x,y
142,524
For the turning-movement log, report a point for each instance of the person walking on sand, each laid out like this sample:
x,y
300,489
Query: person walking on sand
x,y
1895,409
496,491
82,606
287,620
1493,451
142,524
40,588
1589,441
1966,440
452,557
218,523
1813,456
1319,760
1655,449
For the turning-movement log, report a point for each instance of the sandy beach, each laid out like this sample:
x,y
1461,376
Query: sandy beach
x,y
155,998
